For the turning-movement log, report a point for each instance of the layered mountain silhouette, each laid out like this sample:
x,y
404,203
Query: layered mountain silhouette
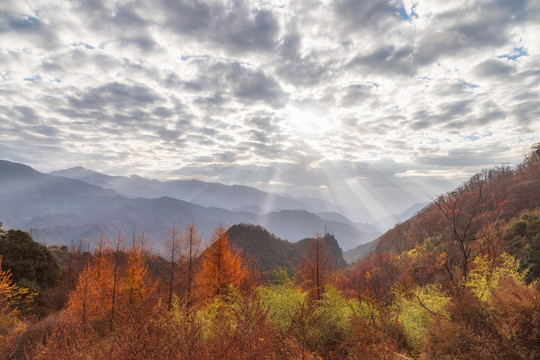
x,y
62,210
389,221
210,194
363,250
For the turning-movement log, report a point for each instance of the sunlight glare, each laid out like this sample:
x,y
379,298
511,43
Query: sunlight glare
x,y
306,123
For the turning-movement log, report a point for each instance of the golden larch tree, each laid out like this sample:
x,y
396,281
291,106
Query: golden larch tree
x,y
136,275
90,301
221,265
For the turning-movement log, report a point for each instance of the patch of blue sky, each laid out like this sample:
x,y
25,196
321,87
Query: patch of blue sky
x,y
32,20
528,140
470,85
408,15
516,53
33,78
187,57
373,83
473,137
85,45
477,136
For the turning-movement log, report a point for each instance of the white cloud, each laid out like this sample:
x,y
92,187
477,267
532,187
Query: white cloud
x,y
267,93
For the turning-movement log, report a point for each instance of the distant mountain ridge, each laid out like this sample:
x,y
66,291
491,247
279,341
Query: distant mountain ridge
x,y
61,210
363,250
210,194
389,221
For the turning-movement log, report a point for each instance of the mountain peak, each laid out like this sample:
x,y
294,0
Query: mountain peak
x,y
10,169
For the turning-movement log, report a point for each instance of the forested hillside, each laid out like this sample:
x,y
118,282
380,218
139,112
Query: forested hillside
x,y
460,280
271,252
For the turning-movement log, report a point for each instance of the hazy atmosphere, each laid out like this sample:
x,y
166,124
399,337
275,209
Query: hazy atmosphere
x,y
380,103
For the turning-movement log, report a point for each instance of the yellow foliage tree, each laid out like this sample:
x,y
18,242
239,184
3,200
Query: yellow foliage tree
x,y
12,299
137,285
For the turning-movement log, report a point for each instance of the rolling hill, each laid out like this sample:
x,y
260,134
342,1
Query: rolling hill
x,y
271,252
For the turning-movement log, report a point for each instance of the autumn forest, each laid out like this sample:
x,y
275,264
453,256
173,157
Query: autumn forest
x,y
459,280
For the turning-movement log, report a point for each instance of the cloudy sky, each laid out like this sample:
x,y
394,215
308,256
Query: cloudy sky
x,y
378,102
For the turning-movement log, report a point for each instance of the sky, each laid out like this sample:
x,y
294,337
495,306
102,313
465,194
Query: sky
x,y
378,103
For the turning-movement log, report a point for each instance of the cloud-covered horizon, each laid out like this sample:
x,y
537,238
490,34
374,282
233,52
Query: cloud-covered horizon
x,y
380,102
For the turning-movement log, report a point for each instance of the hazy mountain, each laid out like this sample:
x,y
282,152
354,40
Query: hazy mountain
x,y
230,197
360,252
26,193
365,249
334,216
60,210
285,224
389,221
255,209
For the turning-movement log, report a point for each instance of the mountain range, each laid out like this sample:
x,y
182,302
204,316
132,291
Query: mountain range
x,y
80,204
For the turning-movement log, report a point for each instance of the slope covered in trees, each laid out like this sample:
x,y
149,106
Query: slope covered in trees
x,y
460,280
271,252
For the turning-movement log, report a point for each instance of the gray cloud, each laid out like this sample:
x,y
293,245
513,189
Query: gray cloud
x,y
29,27
254,85
116,94
472,27
235,28
494,68
387,59
19,23
223,79
368,14
345,100
355,94
297,68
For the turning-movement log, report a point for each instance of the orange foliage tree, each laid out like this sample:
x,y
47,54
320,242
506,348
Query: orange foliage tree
x,y
90,301
221,266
